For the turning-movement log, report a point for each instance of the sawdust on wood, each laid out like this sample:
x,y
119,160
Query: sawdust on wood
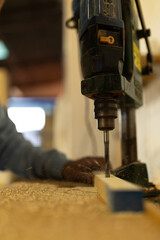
x,y
48,210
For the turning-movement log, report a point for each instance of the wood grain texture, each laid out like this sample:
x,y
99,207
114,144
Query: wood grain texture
x,y
120,195
47,210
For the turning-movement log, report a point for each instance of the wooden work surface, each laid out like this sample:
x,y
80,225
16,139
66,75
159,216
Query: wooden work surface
x,y
42,210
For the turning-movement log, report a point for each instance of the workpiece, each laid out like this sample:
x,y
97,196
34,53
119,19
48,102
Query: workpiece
x,y
120,195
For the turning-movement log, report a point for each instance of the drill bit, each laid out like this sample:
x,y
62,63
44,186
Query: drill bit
x,y
106,147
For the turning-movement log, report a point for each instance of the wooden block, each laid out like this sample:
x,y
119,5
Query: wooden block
x,y
119,194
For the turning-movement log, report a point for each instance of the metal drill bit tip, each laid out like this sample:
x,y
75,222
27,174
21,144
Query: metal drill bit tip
x,y
106,148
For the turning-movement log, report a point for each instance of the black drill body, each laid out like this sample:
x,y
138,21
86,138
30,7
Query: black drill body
x,y
109,51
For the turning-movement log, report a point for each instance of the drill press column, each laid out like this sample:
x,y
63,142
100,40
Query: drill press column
x,y
128,134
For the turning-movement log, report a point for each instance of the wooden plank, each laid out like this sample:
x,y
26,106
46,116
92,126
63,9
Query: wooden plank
x,y
120,195
153,211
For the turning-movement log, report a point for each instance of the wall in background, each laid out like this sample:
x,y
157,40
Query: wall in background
x,y
148,116
152,18
148,126
4,85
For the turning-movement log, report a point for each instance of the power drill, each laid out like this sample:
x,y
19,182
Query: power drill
x,y
111,65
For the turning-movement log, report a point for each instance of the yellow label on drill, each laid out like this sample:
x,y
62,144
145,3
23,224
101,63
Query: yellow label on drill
x,y
137,57
135,7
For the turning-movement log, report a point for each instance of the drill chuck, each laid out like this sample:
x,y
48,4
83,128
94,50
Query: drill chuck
x,y
106,113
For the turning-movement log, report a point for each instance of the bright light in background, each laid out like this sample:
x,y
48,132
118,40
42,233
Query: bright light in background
x,y
4,52
27,118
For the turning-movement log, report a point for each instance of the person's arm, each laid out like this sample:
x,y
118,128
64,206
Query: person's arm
x,y
19,156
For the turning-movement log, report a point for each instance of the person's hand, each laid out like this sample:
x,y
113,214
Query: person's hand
x,y
82,169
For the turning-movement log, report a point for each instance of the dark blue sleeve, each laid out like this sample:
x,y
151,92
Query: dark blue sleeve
x,y
19,156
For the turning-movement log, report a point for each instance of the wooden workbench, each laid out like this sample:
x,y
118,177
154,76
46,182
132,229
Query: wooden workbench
x,y
47,210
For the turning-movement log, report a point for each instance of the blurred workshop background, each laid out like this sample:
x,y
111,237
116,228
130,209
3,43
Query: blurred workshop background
x,y
40,80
